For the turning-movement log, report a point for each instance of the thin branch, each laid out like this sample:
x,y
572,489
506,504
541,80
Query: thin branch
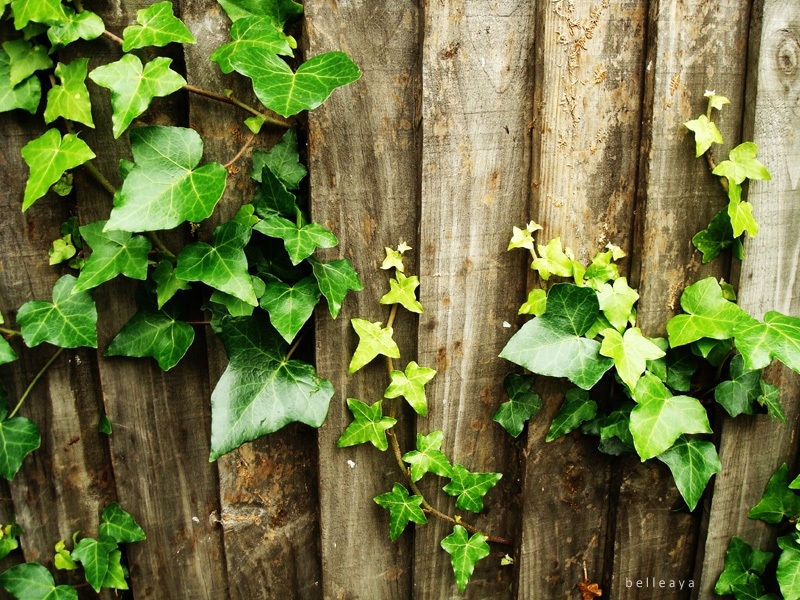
x,y
294,346
113,37
241,152
9,333
30,387
99,177
279,122
712,164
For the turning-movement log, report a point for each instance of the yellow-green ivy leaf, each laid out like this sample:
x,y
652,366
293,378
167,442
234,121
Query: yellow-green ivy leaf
x,y
739,212
70,99
742,164
373,339
630,352
157,26
411,386
369,425
25,59
705,134
402,291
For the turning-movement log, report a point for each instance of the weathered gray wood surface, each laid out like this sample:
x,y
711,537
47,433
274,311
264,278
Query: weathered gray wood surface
x,y
472,116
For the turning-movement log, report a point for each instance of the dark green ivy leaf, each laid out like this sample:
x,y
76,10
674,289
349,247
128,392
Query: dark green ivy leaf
x,y
743,565
470,488
300,241
283,161
692,462
115,575
272,198
290,306
716,237
739,395
335,279
279,10
577,408
464,552
402,509
778,500
523,403
94,556
31,581
113,253
369,425
167,282
118,525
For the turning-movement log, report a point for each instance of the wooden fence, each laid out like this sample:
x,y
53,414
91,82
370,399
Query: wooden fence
x,y
472,116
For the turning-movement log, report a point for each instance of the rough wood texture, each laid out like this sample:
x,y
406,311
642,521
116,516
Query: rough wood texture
x,y
693,46
475,178
752,448
363,144
586,132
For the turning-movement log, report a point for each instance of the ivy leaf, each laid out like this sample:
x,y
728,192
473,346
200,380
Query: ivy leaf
x,y
710,315
115,575
70,99
470,488
222,266
118,525
576,409
133,86
26,95
158,26
18,438
770,397
615,433
25,59
716,237
616,302
84,25
48,156
272,198
167,282
553,344
300,242
372,341
393,260
411,385
260,390
234,306
715,100
7,353
660,418
552,260
290,306
165,187
788,571
69,321
675,368
402,509
261,33
778,336
154,333
692,463
113,253
288,93
369,425
402,291
536,304
523,403
740,213
705,134
778,500
464,552
94,555
738,395
742,164
335,279
62,560
279,10
31,581
428,457
283,160
42,11
630,352
743,565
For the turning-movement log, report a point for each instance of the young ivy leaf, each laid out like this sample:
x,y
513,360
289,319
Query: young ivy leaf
x,y
553,344
286,92
464,552
222,266
402,509
118,525
705,134
393,260
113,253
335,279
369,425
778,501
69,321
164,186
290,306
48,157
660,418
692,462
372,341
283,160
740,213
470,488
616,302
709,314
84,25
577,408
25,96
428,457
523,403
716,101
402,291
411,385
536,304
630,352
552,260
743,565
70,99
300,242
133,86
742,164
62,560
261,390
263,33
94,556
32,581
157,26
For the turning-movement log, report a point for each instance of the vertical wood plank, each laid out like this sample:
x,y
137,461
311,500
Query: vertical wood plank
x,y
693,47
476,109
752,448
586,138
363,159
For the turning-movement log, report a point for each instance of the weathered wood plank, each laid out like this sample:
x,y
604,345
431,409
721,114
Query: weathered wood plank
x,y
476,111
586,136
693,46
752,448
363,158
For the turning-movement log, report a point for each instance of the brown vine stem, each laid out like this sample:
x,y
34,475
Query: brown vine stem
x,y
294,346
8,333
277,121
35,380
712,164
241,152
398,455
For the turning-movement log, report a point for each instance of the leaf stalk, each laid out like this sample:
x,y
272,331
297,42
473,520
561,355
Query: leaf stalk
x,y
34,381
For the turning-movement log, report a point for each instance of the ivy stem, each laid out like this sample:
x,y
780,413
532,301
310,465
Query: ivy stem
x,y
38,376
112,37
712,164
279,122
294,346
241,152
9,333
